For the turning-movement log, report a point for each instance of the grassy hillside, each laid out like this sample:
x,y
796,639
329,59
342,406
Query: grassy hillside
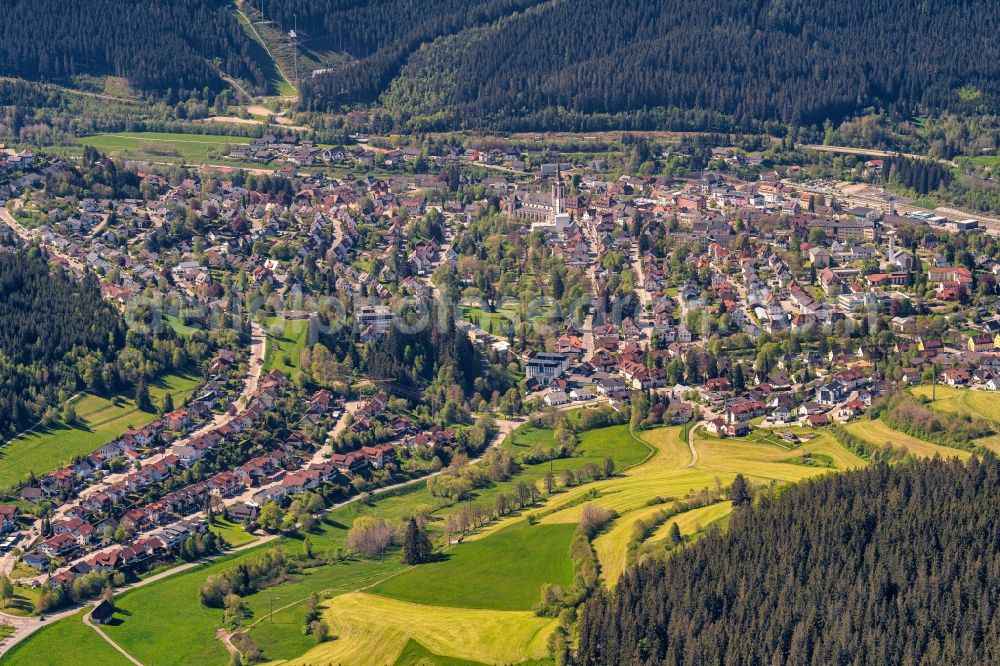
x,y
880,434
504,572
980,404
474,604
66,643
99,420
163,147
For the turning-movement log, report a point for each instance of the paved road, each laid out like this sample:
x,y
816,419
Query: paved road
x,y
250,388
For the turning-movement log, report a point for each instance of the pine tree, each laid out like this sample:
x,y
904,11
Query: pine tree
x,y
417,547
168,403
740,491
142,400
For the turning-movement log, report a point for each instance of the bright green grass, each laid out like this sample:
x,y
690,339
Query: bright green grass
x,y
285,347
499,320
986,160
180,329
150,635
68,642
163,146
595,446
5,631
528,437
25,600
280,635
233,533
415,654
979,404
504,572
100,420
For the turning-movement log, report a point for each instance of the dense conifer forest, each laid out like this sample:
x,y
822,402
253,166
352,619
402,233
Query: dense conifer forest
x,y
59,336
887,565
797,61
49,325
157,46
739,65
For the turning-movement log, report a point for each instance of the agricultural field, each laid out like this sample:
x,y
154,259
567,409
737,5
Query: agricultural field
x,y
415,654
672,476
150,635
879,433
99,420
163,146
375,630
285,342
694,521
474,604
979,404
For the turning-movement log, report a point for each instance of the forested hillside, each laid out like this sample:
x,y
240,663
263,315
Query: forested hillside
x,y
895,565
51,328
155,45
800,61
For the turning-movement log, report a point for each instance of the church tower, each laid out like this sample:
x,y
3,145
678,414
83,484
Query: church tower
x,y
559,192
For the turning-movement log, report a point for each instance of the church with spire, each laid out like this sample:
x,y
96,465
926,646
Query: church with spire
x,y
546,210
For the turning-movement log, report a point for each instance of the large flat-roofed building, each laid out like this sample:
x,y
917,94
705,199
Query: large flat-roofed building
x,y
543,367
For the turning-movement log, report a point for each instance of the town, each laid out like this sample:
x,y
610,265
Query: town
x,y
772,307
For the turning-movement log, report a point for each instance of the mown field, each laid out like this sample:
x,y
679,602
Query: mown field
x,y
880,434
163,146
150,635
375,630
980,404
99,420
68,642
233,533
285,342
504,572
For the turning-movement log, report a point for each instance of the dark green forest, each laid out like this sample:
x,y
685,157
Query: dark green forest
x,y
157,46
797,61
49,325
58,336
738,65
886,565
